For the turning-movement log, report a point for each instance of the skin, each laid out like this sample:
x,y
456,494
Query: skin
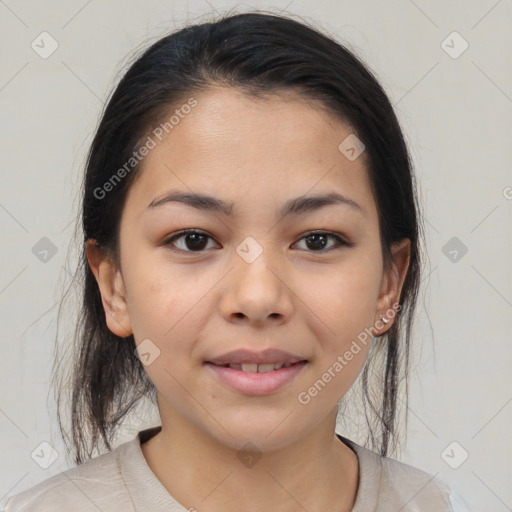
x,y
256,153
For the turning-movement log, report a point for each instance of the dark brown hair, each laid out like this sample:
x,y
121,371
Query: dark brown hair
x,y
259,53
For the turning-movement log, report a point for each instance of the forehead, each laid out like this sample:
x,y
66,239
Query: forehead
x,y
242,146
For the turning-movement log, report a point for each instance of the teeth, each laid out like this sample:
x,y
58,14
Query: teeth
x,y
257,368
264,368
249,367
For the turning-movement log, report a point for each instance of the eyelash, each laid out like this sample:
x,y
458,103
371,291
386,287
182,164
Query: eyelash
x,y
340,242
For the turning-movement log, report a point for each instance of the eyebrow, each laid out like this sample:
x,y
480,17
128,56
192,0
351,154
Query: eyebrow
x,y
296,206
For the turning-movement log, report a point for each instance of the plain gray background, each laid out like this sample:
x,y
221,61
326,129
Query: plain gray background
x,y
455,108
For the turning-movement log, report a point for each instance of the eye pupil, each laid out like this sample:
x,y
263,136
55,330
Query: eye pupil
x,y
197,241
315,238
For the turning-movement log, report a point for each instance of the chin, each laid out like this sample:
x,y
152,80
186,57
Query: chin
x,y
263,432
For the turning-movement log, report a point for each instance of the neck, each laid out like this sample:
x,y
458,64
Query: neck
x,y
316,473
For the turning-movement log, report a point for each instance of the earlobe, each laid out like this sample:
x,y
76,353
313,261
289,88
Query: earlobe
x,y
392,283
111,285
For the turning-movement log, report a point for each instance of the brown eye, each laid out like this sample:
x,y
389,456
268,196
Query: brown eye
x,y
188,241
318,241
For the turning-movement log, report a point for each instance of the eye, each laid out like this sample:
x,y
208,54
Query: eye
x,y
190,240
318,240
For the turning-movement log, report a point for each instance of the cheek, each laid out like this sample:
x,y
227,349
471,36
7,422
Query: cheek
x,y
344,307
344,301
166,303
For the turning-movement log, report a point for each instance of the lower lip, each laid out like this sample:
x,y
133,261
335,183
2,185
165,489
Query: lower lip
x,y
254,383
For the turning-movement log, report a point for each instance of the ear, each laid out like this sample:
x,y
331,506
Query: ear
x,y
113,293
392,281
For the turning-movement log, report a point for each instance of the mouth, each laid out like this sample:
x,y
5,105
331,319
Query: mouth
x,y
255,379
257,367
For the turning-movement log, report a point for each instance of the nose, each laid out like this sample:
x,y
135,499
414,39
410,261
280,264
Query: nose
x,y
257,292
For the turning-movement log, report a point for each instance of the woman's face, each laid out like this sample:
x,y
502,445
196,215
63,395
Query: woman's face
x,y
253,278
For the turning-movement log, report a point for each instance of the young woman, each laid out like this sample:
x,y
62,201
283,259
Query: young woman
x,y
251,247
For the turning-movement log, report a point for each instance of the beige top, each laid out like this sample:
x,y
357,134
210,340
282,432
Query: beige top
x,y
121,481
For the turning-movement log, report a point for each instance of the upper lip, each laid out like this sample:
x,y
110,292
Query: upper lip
x,y
243,356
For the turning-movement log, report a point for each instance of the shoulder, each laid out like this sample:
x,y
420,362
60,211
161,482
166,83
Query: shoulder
x,y
90,486
386,484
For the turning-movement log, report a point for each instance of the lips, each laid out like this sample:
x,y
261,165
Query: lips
x,y
256,383
261,362
255,367
256,373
